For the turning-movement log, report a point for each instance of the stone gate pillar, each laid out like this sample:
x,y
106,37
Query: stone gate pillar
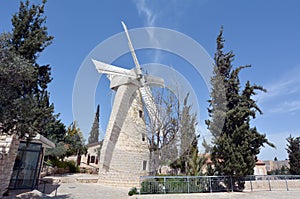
x,y
9,145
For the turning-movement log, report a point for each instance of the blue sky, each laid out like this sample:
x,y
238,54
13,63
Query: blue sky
x,y
264,34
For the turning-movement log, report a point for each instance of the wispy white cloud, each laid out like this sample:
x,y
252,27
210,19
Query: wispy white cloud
x,y
283,95
287,85
287,106
158,13
150,14
145,11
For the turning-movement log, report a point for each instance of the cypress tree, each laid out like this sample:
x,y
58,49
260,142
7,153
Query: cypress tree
x,y
189,161
293,149
94,134
236,143
17,104
29,39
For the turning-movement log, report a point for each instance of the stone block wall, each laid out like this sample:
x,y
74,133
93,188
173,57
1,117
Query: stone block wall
x,y
125,154
8,152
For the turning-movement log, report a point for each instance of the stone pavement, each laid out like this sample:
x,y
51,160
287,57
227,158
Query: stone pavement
x,y
97,191
71,186
82,191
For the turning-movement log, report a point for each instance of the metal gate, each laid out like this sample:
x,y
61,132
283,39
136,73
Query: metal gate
x,y
26,167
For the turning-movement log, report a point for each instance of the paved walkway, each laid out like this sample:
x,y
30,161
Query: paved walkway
x,y
68,187
83,191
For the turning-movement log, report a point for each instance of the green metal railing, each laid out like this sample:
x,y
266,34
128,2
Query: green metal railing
x,y
201,184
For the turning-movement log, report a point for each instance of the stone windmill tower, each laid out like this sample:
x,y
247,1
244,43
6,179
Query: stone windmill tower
x,y
125,153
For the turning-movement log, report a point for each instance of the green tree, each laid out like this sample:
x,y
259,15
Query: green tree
x,y
189,162
75,141
57,134
235,143
195,163
30,36
94,134
29,39
17,103
56,131
58,152
293,149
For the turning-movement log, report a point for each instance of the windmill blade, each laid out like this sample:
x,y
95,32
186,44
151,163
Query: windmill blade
x,y
149,103
154,80
112,70
136,62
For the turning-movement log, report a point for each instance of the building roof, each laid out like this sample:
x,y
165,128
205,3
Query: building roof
x,y
259,162
95,144
44,141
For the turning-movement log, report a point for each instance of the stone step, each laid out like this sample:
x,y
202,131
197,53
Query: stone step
x,y
119,184
87,180
72,179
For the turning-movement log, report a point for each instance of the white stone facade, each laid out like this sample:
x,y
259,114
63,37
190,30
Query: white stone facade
x,y
125,154
8,152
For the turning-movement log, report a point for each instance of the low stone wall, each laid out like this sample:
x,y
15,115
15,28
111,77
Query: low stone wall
x,y
8,152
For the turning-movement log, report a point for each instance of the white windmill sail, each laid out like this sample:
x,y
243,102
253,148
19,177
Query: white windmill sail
x,y
144,89
150,104
136,62
112,70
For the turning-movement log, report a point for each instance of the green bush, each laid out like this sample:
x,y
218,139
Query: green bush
x,y
151,186
176,185
64,164
59,164
72,166
132,191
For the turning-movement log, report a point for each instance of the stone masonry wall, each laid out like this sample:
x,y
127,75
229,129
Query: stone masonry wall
x,y
8,152
124,152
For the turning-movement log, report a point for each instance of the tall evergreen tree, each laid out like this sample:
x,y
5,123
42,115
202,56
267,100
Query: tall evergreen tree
x,y
17,103
293,149
94,134
29,39
188,138
236,143
189,161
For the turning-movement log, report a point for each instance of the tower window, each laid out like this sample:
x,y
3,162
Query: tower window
x,y
140,113
144,165
143,137
92,159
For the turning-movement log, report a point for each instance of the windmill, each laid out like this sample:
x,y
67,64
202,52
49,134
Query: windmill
x,y
125,153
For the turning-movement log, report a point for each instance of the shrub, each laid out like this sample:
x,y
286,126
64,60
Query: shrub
x,y
59,164
132,191
176,185
72,166
65,164
151,186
